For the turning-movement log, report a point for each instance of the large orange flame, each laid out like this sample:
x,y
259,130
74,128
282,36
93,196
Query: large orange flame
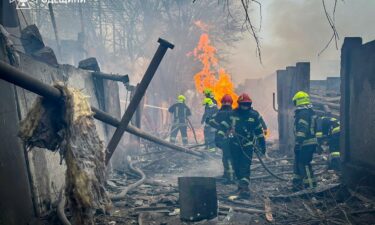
x,y
209,77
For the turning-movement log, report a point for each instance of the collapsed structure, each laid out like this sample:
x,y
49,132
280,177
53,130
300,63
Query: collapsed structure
x,y
31,177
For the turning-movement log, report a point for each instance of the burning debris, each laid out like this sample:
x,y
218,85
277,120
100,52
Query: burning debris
x,y
68,126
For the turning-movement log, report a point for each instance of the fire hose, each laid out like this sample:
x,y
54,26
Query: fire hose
x,y
258,154
192,129
124,192
190,126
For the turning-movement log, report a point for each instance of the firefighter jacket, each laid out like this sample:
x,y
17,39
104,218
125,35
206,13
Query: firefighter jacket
x,y
305,122
327,126
247,128
180,113
221,122
209,111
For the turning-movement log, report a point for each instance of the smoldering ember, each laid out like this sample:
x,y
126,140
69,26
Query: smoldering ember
x,y
168,112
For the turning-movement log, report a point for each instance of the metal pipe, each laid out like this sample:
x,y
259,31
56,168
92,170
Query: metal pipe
x,y
21,79
138,95
121,78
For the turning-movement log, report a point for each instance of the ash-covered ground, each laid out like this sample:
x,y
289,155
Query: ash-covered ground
x,y
272,201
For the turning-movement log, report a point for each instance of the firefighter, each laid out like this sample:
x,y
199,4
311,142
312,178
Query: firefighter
x,y
209,94
210,109
221,122
180,112
246,131
305,122
328,129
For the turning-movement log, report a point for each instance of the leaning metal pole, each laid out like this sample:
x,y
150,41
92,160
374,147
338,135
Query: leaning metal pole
x,y
138,95
21,79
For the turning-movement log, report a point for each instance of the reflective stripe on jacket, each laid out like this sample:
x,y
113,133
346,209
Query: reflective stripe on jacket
x,y
305,122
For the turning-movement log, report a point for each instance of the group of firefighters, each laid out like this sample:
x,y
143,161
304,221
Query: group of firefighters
x,y
241,131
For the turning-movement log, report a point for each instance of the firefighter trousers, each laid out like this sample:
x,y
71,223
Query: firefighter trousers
x,y
182,128
303,173
242,158
209,136
227,160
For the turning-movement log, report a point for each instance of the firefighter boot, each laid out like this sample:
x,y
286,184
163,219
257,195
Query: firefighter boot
x,y
297,183
243,188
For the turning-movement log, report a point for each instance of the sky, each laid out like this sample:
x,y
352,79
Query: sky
x,y
296,31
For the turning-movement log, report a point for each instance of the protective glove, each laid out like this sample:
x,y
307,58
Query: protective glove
x,y
230,133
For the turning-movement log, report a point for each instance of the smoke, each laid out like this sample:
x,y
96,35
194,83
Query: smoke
x,y
297,30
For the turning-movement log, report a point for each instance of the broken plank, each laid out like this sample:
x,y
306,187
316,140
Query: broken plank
x,y
242,210
268,209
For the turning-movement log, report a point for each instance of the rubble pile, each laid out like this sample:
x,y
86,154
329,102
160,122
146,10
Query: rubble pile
x,y
272,201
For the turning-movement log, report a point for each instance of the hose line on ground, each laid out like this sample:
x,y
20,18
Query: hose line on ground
x,y
124,192
258,154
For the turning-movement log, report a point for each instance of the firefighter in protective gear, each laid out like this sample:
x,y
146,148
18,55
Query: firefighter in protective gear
x,y
180,113
209,94
328,130
246,131
221,122
210,109
305,122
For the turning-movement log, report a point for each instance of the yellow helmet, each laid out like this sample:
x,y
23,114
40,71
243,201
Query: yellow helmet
x,y
207,91
207,101
301,98
181,98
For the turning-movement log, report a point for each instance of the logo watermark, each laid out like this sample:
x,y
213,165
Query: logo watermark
x,y
25,4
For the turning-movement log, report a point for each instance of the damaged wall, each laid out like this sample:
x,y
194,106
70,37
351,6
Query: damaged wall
x,y
289,81
358,110
16,202
46,174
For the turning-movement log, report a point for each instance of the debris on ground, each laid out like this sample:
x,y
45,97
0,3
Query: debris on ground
x,y
156,201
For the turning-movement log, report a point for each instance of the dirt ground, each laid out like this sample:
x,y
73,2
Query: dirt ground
x,y
272,201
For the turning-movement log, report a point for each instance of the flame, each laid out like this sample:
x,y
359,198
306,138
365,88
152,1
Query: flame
x,y
223,86
210,77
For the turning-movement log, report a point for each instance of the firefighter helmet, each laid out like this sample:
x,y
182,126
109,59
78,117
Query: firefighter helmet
x,y
207,101
244,98
227,100
181,98
301,98
207,91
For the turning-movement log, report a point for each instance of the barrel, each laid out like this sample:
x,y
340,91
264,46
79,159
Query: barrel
x,y
198,198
